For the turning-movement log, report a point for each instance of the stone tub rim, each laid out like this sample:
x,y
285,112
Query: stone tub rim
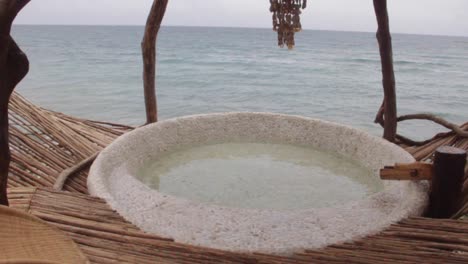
x,y
238,229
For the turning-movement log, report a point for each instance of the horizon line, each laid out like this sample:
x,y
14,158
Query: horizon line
x,y
239,27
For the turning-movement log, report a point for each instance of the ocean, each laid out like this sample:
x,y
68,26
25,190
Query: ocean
x,y
95,72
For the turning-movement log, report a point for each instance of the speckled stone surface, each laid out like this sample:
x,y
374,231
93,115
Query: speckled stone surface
x,y
247,230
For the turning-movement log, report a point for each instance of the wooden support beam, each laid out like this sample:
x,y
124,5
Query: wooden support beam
x,y
148,47
447,185
389,106
417,171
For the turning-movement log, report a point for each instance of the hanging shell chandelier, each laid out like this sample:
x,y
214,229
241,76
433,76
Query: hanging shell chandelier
x,y
286,20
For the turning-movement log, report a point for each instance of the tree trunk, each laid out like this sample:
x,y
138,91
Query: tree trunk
x,y
386,55
14,65
4,153
148,47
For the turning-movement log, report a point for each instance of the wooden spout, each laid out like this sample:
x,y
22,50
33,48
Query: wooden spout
x,y
416,171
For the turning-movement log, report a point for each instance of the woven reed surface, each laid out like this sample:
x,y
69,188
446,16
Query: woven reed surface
x,y
28,239
106,238
44,143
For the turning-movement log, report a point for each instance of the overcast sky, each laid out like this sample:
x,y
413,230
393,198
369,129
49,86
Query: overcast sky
x,y
439,17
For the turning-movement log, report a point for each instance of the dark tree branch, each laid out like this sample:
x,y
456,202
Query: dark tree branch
x,y
410,142
457,130
8,11
14,66
379,117
18,64
438,120
148,47
388,80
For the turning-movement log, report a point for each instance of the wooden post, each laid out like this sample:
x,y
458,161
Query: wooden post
x,y
389,106
148,47
447,184
14,65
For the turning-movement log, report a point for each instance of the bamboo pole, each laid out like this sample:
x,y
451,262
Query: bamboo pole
x,y
389,106
148,47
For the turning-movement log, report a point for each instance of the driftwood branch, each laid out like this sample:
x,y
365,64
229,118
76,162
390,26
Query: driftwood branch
x,y
66,174
389,109
409,142
454,129
14,66
438,120
148,47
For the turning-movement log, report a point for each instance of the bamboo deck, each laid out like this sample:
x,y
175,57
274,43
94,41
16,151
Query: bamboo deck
x,y
107,238
44,143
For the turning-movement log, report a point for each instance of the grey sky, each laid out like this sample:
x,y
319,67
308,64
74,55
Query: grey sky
x,y
441,17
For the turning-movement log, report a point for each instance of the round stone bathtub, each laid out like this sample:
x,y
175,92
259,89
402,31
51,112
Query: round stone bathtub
x,y
113,177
